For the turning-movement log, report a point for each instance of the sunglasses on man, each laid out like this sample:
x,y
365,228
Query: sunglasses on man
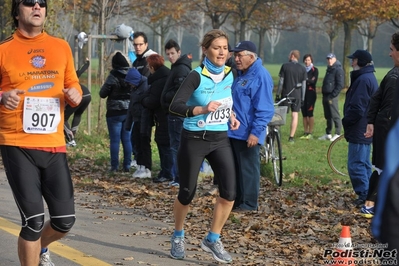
x,y
32,3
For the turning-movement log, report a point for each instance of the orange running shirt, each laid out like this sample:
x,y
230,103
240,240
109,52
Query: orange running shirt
x,y
41,66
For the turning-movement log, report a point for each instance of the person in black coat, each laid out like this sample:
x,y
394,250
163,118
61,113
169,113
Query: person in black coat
x,y
117,92
141,120
181,67
152,101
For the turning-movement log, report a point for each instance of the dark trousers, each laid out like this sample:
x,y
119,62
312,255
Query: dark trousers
x,y
142,146
331,114
247,164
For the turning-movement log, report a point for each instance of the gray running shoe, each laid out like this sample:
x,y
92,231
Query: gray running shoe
x,y
45,259
177,250
217,250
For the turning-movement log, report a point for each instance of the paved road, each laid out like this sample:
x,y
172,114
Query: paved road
x,y
102,235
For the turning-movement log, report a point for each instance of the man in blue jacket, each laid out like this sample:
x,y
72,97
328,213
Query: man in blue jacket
x,y
253,105
363,85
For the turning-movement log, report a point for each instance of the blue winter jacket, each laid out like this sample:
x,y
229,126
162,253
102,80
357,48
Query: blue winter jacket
x,y
363,86
252,102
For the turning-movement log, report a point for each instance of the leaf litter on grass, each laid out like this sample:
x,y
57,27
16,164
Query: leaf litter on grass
x,y
293,226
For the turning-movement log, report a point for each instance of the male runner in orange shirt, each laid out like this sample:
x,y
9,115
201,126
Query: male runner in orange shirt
x,y
37,76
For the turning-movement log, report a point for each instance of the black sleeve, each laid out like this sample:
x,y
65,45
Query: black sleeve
x,y
152,99
313,81
178,105
339,82
108,86
374,106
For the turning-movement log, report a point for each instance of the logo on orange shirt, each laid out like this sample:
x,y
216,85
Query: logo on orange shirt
x,y
38,61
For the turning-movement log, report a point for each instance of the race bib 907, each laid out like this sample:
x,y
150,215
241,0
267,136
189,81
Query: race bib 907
x,y
41,115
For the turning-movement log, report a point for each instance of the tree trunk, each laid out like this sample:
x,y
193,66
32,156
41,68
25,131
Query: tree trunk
x,y
261,51
348,26
242,30
101,61
370,45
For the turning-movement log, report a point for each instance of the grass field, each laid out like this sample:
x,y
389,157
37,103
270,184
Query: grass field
x,y
306,159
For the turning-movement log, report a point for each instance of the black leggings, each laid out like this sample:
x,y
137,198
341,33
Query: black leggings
x,y
194,148
33,174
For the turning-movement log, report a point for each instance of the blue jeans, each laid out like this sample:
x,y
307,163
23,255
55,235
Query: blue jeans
x,y
247,164
359,168
175,126
117,132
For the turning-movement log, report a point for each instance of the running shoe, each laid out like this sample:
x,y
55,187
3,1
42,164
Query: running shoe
x,y
45,259
177,250
334,137
326,137
367,212
305,136
309,136
72,143
174,184
217,250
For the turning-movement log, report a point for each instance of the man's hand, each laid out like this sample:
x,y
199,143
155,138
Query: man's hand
x,y
234,123
369,131
252,141
11,99
73,95
278,98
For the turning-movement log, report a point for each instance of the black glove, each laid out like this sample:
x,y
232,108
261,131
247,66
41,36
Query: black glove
x,y
278,98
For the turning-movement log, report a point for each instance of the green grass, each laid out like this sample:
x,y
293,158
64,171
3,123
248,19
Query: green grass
x,y
306,161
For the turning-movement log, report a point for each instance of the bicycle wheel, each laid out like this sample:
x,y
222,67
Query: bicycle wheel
x,y
337,156
276,158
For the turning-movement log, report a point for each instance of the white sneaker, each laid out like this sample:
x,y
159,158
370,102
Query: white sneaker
x,y
45,259
325,137
139,168
133,164
146,173
334,137
72,143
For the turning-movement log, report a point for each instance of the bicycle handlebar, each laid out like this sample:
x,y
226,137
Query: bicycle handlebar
x,y
290,100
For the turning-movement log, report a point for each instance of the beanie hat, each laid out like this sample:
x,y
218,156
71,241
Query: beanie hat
x,y
119,61
133,77
363,57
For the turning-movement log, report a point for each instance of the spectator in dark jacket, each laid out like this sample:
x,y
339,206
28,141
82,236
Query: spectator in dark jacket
x,y
333,83
117,92
140,44
152,101
309,103
363,86
141,120
181,67
379,123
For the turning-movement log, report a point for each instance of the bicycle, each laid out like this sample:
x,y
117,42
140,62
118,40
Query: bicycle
x,y
337,156
271,150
